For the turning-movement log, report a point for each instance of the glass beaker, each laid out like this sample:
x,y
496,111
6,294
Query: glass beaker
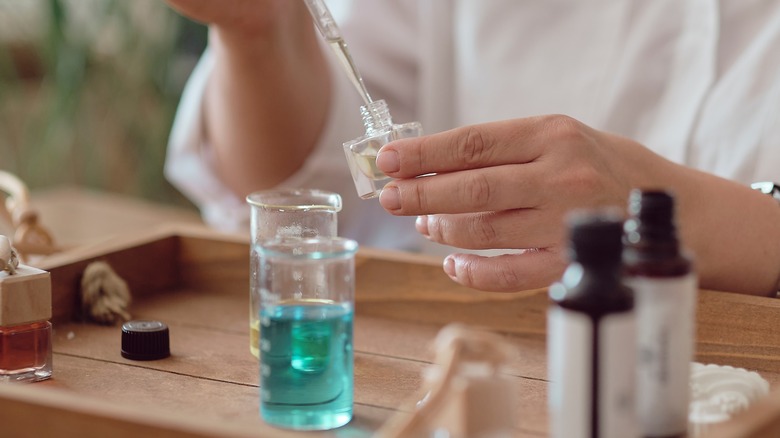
x,y
307,300
301,213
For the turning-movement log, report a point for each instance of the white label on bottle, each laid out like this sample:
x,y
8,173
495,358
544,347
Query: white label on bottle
x,y
617,375
570,361
666,314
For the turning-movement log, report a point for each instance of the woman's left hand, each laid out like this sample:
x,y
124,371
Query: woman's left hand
x,y
509,185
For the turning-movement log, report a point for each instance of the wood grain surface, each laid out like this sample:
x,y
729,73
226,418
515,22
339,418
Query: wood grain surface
x,y
196,281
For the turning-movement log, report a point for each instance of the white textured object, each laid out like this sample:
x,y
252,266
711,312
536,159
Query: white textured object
x,y
720,391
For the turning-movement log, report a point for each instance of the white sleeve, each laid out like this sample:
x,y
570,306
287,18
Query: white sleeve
x,y
188,164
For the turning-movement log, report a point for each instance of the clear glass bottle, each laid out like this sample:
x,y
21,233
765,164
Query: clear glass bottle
x,y
361,152
665,287
591,337
25,330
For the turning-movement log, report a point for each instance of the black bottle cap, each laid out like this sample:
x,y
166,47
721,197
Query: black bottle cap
x,y
651,218
145,340
596,236
656,206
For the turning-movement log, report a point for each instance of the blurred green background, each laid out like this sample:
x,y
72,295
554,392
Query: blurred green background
x,y
88,92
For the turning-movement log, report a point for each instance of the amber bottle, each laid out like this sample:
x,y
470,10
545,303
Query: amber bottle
x,y
665,287
591,337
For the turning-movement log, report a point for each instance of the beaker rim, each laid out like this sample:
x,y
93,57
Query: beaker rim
x,y
295,199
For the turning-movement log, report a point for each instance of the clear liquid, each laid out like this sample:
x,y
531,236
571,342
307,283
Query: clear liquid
x,y
342,53
306,373
254,338
254,301
366,162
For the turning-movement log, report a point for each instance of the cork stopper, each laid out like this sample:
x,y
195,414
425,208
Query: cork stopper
x,y
25,296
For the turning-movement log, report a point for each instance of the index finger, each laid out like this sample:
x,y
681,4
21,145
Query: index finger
x,y
469,147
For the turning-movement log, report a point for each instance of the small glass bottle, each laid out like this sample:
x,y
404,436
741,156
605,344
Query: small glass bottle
x,y
25,330
665,288
361,152
591,338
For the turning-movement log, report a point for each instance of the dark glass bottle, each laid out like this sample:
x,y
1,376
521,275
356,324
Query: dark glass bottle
x,y
591,336
665,287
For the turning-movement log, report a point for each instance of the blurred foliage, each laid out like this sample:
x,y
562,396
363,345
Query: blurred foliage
x,y
89,98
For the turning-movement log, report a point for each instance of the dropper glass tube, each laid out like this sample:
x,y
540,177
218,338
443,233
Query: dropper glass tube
x,y
380,130
332,35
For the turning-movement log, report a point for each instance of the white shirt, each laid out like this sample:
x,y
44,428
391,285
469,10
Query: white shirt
x,y
697,81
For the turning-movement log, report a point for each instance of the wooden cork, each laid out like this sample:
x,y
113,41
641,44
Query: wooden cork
x,y
25,296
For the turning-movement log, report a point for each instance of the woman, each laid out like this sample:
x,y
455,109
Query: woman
x,y
683,95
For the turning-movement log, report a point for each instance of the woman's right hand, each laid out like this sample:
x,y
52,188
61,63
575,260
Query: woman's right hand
x,y
246,19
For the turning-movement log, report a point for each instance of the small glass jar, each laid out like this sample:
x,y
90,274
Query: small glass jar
x,y
362,151
25,330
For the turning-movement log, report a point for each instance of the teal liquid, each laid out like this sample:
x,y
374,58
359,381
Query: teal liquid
x,y
306,365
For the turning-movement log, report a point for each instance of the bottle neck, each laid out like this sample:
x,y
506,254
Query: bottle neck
x,y
650,228
596,289
592,282
650,243
608,273
376,117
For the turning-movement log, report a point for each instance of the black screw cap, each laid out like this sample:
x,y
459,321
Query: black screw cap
x,y
145,340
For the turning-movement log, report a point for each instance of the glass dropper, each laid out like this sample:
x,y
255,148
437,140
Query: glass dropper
x,y
330,31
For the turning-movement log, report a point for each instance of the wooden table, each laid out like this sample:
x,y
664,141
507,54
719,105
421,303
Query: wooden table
x,y
197,281
77,217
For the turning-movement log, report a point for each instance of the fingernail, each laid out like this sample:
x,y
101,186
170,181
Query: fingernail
x,y
390,198
449,266
422,225
388,161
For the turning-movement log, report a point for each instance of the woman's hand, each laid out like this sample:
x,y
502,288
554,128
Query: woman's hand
x,y
509,185
251,18
253,26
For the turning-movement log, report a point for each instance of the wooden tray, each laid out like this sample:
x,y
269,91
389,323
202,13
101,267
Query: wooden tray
x,y
197,282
